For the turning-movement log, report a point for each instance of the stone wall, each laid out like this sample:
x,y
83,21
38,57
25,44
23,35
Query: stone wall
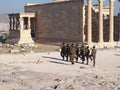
x,y
14,36
60,21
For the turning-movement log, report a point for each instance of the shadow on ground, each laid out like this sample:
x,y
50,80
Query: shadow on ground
x,y
118,66
58,62
53,58
117,54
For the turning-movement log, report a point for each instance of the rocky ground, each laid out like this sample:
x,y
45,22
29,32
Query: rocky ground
x,y
45,70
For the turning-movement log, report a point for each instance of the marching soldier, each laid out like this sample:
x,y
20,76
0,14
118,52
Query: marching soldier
x,y
72,54
82,53
77,52
93,55
87,52
63,50
67,52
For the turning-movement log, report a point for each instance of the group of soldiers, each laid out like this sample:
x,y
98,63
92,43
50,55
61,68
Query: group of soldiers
x,y
71,52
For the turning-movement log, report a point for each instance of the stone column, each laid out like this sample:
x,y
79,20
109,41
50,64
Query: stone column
x,y
21,23
111,38
17,23
101,21
119,26
89,28
13,23
10,22
29,23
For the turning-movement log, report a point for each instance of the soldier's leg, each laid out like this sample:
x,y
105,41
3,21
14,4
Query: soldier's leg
x,y
61,54
87,57
83,59
80,55
90,56
72,60
93,61
77,58
63,57
66,57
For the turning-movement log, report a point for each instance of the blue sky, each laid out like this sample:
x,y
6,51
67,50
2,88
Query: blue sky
x,y
11,6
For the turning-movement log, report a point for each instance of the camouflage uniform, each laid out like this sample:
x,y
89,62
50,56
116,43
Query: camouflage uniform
x,y
93,55
87,52
63,50
82,53
72,54
77,52
67,52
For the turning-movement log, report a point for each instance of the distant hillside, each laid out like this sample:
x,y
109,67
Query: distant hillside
x,y
4,22
4,18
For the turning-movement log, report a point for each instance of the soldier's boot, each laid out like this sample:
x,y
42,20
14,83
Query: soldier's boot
x,y
91,58
76,59
82,61
87,62
63,57
66,58
72,62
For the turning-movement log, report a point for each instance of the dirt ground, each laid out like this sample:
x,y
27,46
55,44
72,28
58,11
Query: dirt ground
x,y
44,69
43,47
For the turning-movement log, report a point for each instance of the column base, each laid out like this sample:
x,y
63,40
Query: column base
x,y
117,44
90,42
111,41
105,45
25,37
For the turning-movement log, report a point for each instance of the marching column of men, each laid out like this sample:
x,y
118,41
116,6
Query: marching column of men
x,y
71,52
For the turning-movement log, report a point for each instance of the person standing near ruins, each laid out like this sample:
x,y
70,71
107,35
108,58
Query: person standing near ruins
x,y
82,53
63,50
87,52
77,52
72,54
67,52
93,55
